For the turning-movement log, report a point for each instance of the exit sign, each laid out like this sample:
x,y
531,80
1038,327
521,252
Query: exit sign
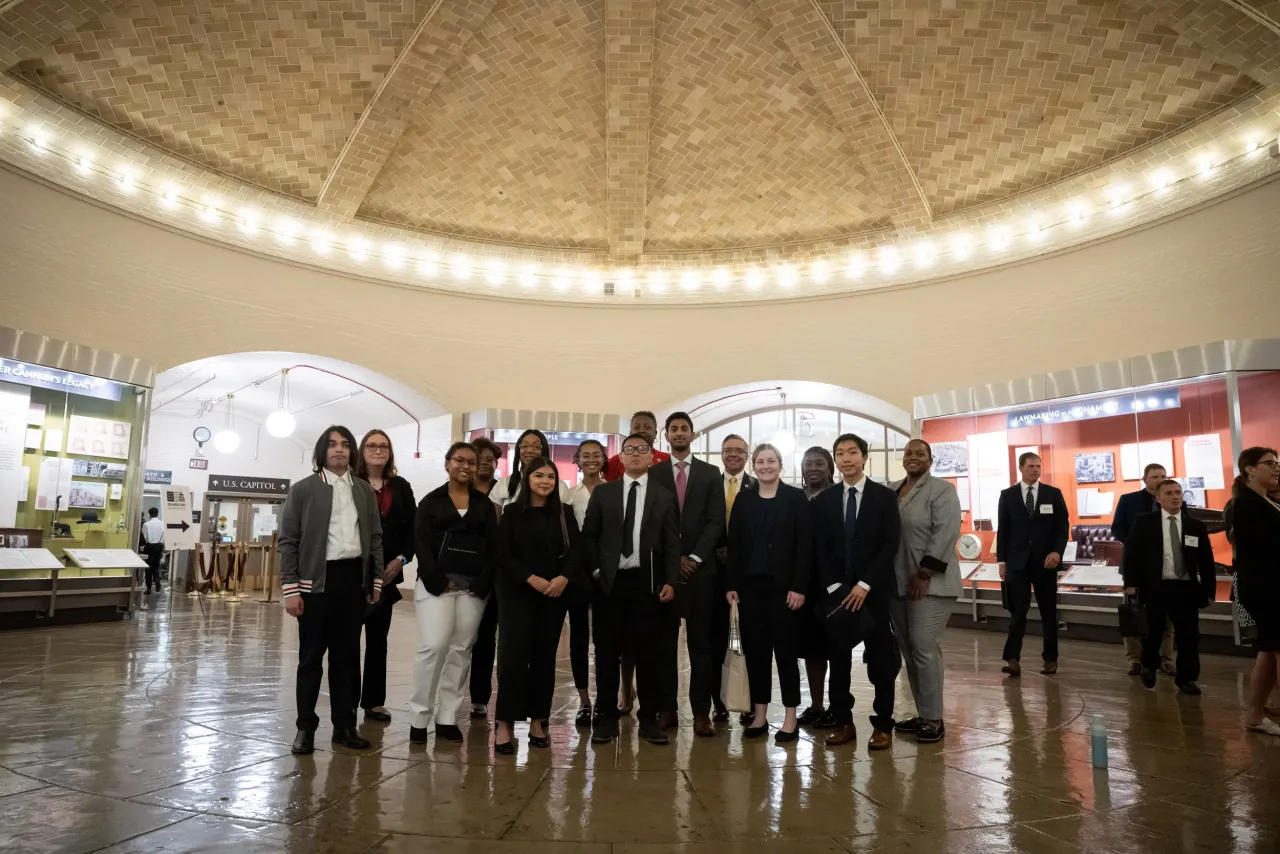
x,y
199,463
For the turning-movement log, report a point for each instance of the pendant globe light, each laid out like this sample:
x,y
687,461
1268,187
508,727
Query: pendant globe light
x,y
281,423
784,439
227,440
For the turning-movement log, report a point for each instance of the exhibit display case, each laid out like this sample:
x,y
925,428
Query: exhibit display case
x,y
1096,429
72,428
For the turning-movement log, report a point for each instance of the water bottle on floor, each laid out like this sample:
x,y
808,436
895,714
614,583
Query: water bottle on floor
x,y
1098,737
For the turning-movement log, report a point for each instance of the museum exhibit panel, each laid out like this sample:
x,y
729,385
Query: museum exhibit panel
x,y
1096,428
74,433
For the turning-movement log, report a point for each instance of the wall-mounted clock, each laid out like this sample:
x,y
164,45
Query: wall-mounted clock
x,y
201,435
969,546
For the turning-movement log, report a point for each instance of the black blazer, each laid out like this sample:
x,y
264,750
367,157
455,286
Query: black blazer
x,y
1024,542
436,518
702,519
875,543
533,542
1130,506
659,535
397,534
1257,561
790,546
1144,554
748,483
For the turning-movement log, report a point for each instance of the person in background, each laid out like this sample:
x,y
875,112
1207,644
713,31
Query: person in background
x,y
487,455
645,424
928,584
537,537
733,457
818,470
1033,526
331,565
1257,541
455,532
531,445
153,540
700,499
1168,565
1243,617
1130,506
376,465
590,458
631,545
770,558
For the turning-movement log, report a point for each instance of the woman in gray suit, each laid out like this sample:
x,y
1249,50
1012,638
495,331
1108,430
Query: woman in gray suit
x,y
928,578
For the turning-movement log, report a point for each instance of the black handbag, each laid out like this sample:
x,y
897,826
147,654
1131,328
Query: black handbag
x,y
846,629
1133,618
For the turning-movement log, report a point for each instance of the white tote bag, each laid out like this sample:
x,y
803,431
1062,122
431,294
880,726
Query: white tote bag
x,y
735,688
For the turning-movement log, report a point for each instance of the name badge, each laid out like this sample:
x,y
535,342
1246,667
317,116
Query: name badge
x,y
1046,509
1192,542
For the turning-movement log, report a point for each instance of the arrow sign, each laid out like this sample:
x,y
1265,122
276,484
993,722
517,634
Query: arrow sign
x,y
177,518
181,526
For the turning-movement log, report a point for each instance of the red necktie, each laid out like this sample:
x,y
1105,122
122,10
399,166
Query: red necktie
x,y
682,481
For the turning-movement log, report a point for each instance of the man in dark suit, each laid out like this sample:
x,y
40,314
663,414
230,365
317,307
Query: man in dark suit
x,y
700,500
856,532
1130,506
632,548
1030,539
1168,565
733,457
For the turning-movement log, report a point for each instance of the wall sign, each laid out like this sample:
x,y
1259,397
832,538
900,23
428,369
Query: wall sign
x,y
57,380
1102,407
198,463
251,485
179,527
553,437
163,476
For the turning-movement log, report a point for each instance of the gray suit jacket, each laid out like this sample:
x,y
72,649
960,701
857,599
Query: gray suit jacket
x,y
930,527
304,534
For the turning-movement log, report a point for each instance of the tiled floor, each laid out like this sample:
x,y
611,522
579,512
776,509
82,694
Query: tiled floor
x,y
171,733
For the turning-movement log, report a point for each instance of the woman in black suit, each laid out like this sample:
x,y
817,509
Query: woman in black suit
x,y
770,559
377,465
536,539
1257,566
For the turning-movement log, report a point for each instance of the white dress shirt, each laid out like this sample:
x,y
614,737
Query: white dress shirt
x,y
633,561
344,521
859,488
578,498
153,530
1166,571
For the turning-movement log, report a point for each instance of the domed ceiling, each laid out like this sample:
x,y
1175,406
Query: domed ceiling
x,y
629,127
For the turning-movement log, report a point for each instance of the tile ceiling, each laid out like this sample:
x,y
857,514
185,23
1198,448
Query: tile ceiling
x,y
498,120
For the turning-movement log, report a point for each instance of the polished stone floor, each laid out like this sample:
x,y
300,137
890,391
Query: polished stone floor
x,y
171,733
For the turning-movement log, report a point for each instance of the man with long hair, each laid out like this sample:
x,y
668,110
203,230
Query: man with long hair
x,y
330,566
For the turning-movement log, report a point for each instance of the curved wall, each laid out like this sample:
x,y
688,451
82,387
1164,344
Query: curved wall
x,y
77,271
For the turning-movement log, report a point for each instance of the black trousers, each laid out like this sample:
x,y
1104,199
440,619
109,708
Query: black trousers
x,y
883,664
529,627
580,639
1180,602
1018,587
483,653
377,625
154,552
769,631
330,622
631,617
698,592
719,638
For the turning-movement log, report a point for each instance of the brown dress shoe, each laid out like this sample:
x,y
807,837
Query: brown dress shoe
x,y
1050,668
842,734
880,740
668,720
1012,667
703,727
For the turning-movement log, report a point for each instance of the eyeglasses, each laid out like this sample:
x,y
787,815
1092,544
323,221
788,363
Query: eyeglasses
x,y
528,447
462,463
1275,464
635,450
377,448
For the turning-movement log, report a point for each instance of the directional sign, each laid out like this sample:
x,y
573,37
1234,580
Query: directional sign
x,y
248,485
158,476
179,532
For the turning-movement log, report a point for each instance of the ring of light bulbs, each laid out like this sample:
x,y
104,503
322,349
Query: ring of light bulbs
x,y
922,252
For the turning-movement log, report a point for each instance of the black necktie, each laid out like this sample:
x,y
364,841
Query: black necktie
x,y
629,520
1031,501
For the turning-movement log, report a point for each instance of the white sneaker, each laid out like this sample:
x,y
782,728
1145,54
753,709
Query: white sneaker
x,y
1266,727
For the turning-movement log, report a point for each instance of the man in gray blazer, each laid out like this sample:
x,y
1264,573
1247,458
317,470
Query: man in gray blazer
x,y
928,582
330,566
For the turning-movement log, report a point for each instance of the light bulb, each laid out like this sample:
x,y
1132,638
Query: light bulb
x,y
226,441
960,246
1119,196
754,278
1035,230
999,238
495,272
657,280
279,424
320,242
427,264
721,277
529,276
785,442
460,266
1206,163
358,248
925,254
1078,213
84,162
170,196
1161,179
561,281
209,210
36,137
124,178
248,222
786,276
820,271
854,266
889,260
393,256
690,280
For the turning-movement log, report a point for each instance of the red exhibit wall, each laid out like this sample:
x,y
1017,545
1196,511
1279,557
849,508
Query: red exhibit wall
x,y
1203,410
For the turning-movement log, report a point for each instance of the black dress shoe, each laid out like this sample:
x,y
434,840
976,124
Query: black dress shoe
x,y
372,715
782,737
909,726
448,732
808,716
1148,678
539,741
652,733
583,718
507,748
348,736
417,735
755,731
597,715
721,716
303,743
1190,688
827,720
746,718
605,731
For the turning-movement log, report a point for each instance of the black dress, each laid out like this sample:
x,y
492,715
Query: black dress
x,y
1257,564
397,540
531,542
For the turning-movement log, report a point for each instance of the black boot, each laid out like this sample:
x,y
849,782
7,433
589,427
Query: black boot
x,y
303,743
349,736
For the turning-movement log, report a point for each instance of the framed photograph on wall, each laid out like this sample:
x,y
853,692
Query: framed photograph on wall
x,y
87,494
950,459
1098,467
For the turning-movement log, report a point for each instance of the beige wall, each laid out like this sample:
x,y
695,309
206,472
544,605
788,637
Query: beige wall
x,y
73,270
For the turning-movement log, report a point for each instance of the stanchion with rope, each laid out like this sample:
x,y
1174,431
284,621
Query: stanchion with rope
x,y
270,566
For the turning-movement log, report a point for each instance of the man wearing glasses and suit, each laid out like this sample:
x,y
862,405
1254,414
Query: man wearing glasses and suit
x,y
631,538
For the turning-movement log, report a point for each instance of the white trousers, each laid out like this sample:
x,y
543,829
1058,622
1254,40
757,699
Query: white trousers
x,y
447,627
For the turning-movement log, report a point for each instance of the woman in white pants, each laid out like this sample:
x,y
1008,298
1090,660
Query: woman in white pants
x,y
928,582
455,533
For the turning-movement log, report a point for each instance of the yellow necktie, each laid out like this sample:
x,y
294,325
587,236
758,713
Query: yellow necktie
x,y
728,499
